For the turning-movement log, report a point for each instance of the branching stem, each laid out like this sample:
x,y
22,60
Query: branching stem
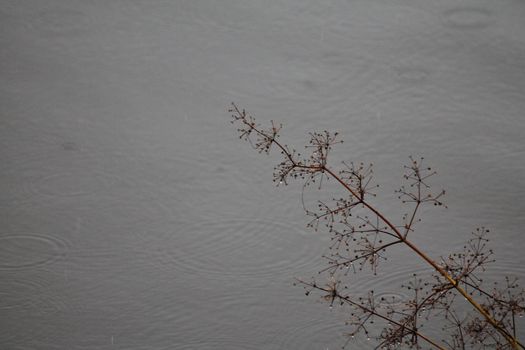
x,y
269,138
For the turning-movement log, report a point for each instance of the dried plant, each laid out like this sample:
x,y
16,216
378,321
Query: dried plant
x,y
361,237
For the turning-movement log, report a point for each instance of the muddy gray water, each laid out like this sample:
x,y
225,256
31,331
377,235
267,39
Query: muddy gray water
x,y
133,218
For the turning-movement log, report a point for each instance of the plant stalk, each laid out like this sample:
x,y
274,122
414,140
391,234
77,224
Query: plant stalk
x,y
512,340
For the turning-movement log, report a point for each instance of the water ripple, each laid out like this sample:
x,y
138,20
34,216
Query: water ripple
x,y
235,247
225,343
387,285
499,269
74,182
412,73
468,18
28,251
319,333
56,173
57,21
19,293
28,298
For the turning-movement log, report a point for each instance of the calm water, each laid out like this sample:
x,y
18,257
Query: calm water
x,y
133,218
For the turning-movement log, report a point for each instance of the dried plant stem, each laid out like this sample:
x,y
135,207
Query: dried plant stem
x,y
510,338
292,166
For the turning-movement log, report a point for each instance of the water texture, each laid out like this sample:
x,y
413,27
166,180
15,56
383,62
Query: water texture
x,y
132,217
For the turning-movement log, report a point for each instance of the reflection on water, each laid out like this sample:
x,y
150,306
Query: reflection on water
x,y
131,215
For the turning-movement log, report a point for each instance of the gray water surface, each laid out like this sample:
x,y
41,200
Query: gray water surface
x,y
132,217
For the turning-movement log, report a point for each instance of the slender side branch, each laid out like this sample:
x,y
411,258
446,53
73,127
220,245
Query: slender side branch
x,y
333,294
